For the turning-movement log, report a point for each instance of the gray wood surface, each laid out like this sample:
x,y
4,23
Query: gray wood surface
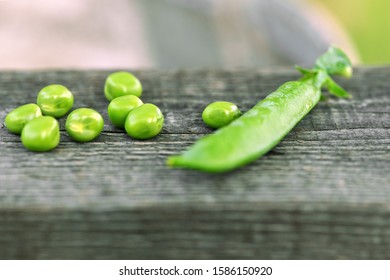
x,y
322,193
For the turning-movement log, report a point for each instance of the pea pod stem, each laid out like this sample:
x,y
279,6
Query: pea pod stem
x,y
261,128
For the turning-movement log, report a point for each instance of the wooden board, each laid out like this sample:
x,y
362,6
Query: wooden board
x,y
322,193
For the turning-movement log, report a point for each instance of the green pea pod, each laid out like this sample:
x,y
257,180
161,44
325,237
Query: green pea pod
x,y
260,129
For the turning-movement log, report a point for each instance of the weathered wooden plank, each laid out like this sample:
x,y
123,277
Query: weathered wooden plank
x,y
207,231
323,192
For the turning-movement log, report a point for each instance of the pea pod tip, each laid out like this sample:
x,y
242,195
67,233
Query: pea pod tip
x,y
172,161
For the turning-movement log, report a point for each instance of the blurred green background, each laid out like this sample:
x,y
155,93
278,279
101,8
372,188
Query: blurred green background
x,y
207,33
368,24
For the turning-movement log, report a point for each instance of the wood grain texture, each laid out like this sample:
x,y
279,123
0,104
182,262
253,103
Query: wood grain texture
x,y
322,193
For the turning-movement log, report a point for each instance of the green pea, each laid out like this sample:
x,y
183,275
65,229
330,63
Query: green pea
x,y
220,113
84,124
41,134
144,122
55,100
17,118
119,108
122,83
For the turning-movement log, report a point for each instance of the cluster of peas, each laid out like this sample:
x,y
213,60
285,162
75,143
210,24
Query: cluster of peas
x,y
38,126
39,129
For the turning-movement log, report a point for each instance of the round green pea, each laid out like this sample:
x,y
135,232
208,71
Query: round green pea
x,y
41,134
55,100
122,83
119,108
144,122
220,113
17,118
84,124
